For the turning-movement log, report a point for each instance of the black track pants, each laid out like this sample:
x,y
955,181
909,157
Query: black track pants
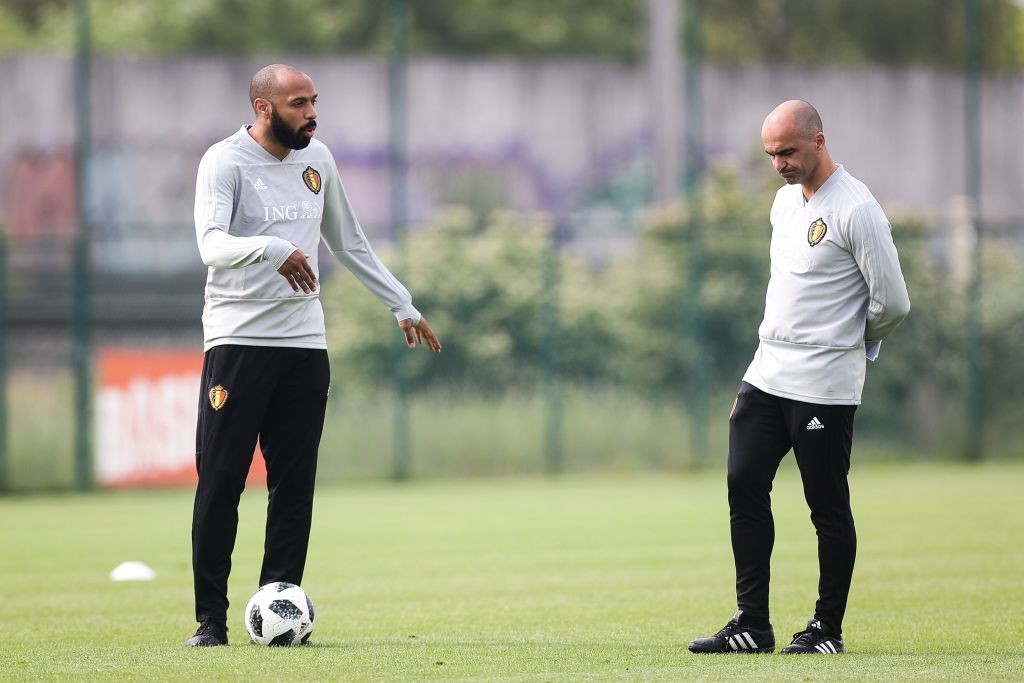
x,y
278,396
762,429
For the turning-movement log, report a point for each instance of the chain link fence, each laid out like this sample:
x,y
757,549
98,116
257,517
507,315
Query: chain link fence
x,y
566,347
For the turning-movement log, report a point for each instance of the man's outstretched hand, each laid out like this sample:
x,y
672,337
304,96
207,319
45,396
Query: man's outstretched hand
x,y
420,333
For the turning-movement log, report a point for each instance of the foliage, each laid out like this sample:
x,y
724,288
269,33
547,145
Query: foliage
x,y
1002,321
482,289
920,370
527,27
810,32
25,26
30,12
629,325
813,32
677,315
610,28
693,294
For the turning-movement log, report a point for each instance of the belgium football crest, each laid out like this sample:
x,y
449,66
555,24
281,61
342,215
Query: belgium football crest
x,y
816,232
312,179
218,397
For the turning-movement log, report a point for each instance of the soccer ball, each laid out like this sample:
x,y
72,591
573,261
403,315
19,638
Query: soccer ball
x,y
279,614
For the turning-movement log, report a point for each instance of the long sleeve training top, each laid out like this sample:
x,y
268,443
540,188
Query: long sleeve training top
x,y
251,212
835,284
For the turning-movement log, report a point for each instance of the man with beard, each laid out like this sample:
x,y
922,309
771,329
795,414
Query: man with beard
x,y
265,197
836,290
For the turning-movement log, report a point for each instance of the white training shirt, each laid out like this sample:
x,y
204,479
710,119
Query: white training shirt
x,y
835,284
252,211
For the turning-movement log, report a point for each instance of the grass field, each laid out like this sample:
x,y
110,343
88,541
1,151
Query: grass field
x,y
528,579
609,432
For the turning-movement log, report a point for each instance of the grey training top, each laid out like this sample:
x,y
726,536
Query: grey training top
x,y
252,211
835,285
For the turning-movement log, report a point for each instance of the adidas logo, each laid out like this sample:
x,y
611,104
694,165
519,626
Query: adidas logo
x,y
742,641
815,423
259,184
827,647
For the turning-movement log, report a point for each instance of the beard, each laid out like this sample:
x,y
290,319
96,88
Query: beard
x,y
292,139
793,176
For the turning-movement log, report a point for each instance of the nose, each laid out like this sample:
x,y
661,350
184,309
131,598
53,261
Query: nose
x,y
779,163
311,113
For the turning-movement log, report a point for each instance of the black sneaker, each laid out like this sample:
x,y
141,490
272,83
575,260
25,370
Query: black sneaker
x,y
736,638
209,634
814,641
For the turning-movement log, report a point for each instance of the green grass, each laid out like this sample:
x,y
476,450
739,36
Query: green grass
x,y
602,431
527,579
40,424
462,434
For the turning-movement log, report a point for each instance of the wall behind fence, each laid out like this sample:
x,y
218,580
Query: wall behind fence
x,y
556,128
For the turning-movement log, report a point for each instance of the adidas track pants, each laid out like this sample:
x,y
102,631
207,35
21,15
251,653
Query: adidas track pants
x,y
277,396
762,429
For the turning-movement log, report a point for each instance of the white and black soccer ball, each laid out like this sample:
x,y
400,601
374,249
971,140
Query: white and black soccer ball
x,y
279,614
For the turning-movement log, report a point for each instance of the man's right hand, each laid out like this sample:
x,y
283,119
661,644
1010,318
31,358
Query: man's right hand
x,y
420,333
297,271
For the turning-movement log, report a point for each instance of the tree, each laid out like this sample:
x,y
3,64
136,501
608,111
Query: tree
x,y
814,32
806,32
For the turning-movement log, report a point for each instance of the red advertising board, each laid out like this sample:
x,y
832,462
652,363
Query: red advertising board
x,y
146,412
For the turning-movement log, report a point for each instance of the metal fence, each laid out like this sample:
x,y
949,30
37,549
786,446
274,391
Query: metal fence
x,y
120,268
648,384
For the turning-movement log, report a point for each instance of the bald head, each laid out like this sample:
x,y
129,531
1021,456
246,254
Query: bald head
x,y
794,117
267,81
794,140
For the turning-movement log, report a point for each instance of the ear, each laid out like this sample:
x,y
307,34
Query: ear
x,y
261,106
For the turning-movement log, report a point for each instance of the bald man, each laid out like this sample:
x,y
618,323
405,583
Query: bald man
x,y
265,198
836,290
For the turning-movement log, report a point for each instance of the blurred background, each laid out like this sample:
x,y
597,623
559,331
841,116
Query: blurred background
x,y
574,191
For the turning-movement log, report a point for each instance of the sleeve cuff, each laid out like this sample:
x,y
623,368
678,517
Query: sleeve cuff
x,y
407,312
278,251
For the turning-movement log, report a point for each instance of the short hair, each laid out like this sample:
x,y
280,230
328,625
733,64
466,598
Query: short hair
x,y
264,83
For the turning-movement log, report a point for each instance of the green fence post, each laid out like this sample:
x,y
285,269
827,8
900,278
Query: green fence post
x,y
397,166
694,171
972,168
80,357
81,352
553,456
5,477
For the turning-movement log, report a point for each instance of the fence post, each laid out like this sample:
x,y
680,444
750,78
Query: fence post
x,y
972,168
397,166
694,314
553,455
5,479
81,352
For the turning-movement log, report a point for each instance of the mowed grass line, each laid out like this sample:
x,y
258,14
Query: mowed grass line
x,y
527,579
